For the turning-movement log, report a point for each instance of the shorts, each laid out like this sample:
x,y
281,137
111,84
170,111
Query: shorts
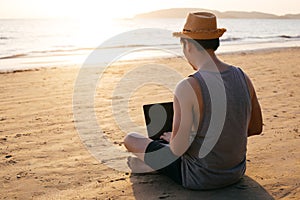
x,y
163,161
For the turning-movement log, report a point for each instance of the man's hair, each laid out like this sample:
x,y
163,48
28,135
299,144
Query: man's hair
x,y
204,44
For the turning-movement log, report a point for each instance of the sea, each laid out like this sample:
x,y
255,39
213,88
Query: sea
x,y
36,43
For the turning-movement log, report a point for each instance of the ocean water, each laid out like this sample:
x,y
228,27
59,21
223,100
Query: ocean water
x,y
34,43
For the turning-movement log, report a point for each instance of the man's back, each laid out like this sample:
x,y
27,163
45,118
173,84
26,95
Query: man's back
x,y
225,163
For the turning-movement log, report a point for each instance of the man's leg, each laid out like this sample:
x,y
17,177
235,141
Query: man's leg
x,y
136,144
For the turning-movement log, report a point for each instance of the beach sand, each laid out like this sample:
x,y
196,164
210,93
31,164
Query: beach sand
x,y
43,157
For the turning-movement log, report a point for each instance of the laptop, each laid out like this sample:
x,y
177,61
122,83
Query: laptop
x,y
158,118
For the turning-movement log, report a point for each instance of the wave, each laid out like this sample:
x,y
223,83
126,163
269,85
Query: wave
x,y
76,51
97,48
276,36
72,50
44,52
230,39
90,48
4,38
14,56
63,50
289,37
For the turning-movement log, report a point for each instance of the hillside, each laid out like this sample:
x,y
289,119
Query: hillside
x,y
182,12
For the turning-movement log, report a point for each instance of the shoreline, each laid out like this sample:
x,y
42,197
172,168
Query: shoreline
x,y
43,157
122,62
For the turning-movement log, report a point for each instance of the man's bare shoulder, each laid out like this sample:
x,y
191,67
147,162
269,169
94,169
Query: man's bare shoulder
x,y
184,86
186,90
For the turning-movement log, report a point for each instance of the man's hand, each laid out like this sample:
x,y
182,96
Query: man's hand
x,y
166,136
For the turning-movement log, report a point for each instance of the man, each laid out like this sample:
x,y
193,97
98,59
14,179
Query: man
x,y
200,155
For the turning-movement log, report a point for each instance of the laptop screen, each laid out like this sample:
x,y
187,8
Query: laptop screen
x,y
159,118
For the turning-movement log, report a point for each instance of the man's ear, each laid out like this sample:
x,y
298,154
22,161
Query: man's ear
x,y
189,46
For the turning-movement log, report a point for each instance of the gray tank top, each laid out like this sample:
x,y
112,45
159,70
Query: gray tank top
x,y
225,163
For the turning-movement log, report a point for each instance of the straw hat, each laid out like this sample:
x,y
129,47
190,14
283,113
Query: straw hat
x,y
200,25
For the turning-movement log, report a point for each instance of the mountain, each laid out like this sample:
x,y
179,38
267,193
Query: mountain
x,y
182,12
170,13
247,15
292,16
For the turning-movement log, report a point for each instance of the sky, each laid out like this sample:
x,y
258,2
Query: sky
x,y
128,8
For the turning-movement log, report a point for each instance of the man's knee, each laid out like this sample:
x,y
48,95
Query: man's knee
x,y
129,139
135,142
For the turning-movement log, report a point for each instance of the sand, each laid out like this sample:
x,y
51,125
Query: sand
x,y
43,157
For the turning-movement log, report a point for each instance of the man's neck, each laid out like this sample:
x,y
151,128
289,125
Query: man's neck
x,y
208,61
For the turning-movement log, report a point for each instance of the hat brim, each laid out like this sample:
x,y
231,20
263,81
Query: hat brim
x,y
204,35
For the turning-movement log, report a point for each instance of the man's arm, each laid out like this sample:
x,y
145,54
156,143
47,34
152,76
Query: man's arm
x,y
183,117
256,123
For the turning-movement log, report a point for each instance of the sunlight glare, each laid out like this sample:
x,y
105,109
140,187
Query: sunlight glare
x,y
96,19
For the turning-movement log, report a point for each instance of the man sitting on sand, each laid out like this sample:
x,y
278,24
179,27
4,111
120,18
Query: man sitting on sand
x,y
198,155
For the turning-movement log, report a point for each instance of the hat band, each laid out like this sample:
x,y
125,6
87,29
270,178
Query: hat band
x,y
200,34
204,31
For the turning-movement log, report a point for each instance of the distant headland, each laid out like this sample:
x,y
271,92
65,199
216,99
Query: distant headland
x,y
182,12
